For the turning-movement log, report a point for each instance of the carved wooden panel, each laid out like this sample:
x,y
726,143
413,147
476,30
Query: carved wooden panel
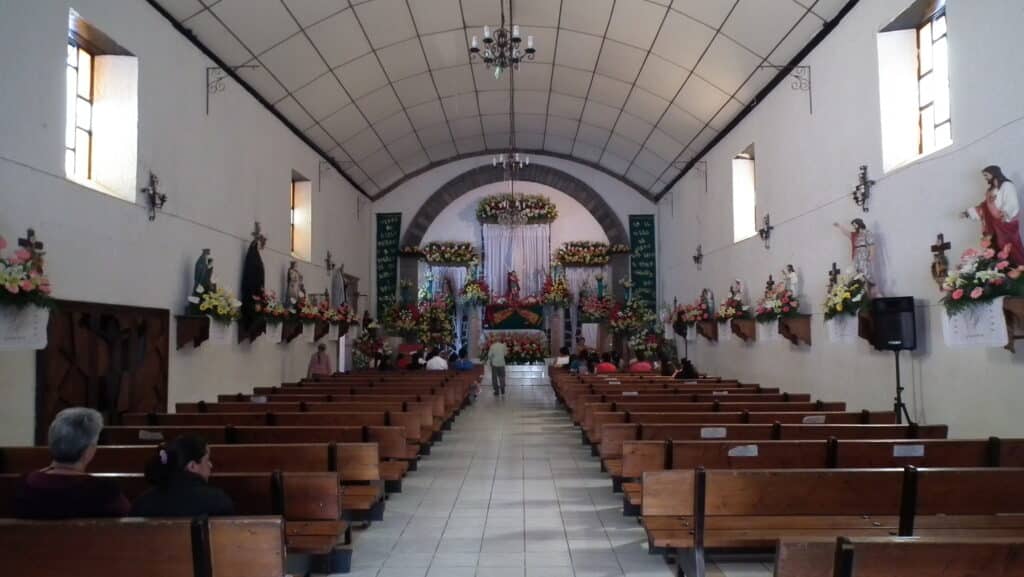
x,y
108,357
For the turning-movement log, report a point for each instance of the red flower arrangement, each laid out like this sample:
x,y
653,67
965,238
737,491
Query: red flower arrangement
x,y
522,348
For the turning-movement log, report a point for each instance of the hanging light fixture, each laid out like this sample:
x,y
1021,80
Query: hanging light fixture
x,y
502,47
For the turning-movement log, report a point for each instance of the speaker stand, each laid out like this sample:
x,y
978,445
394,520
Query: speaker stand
x,y
900,408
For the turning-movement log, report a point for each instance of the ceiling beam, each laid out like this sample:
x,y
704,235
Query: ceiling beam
x,y
252,91
761,95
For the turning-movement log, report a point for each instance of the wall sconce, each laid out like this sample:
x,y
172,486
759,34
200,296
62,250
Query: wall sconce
x,y
765,232
698,257
862,190
258,236
154,197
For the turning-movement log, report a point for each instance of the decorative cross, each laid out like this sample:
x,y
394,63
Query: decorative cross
x,y
155,198
833,276
34,248
765,232
862,191
258,236
698,257
940,264
770,285
328,262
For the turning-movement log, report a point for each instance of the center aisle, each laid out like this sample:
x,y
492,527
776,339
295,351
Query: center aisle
x,y
510,492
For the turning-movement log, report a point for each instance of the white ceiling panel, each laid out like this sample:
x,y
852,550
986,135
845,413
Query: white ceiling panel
x,y
385,21
436,15
589,16
339,38
322,97
403,59
259,24
636,22
309,12
617,66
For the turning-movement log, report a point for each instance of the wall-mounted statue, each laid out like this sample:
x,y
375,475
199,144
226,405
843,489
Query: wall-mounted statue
x,y
862,250
203,274
295,290
791,280
999,213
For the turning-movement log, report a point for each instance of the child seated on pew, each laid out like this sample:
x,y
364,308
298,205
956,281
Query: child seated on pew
x,y
180,472
686,370
64,490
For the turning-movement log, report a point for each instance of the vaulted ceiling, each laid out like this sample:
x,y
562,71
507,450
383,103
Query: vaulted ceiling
x,y
386,87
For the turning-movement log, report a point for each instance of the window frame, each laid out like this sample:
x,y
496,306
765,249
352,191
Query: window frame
x,y
89,101
929,76
747,155
291,218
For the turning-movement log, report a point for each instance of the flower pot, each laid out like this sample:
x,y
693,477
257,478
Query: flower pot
x,y
842,329
274,332
768,331
979,326
23,328
309,332
221,333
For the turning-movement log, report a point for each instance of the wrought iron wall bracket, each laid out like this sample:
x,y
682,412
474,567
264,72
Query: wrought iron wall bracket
x,y
800,79
215,77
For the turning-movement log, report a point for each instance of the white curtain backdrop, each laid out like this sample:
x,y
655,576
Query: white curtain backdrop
x,y
525,249
456,277
576,277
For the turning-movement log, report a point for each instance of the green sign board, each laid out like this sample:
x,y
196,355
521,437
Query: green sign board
x,y
389,229
642,264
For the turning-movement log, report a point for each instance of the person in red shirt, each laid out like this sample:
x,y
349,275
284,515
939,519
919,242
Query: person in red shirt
x,y
606,366
319,363
641,365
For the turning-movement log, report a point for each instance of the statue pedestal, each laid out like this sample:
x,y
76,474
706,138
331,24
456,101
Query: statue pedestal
x,y
192,329
708,330
745,329
474,332
796,329
603,339
1013,308
556,328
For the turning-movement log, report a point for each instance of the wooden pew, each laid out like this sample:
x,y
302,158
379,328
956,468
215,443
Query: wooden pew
x,y
223,547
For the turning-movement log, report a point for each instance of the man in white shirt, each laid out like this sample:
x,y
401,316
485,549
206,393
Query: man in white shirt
x,y
496,357
436,362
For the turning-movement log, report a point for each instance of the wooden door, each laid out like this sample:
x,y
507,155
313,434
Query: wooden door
x,y
109,357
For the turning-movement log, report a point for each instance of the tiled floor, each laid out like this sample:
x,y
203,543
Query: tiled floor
x,y
510,492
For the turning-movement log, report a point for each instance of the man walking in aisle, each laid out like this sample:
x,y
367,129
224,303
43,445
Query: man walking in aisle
x,y
496,357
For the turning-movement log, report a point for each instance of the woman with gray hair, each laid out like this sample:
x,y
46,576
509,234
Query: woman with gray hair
x,y
63,490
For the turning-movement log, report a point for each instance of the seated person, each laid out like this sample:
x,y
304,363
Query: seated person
x,y
416,362
592,361
606,366
402,361
641,365
463,364
179,473
436,362
686,370
562,360
63,490
667,368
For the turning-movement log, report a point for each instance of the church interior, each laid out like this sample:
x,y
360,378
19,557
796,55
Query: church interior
x,y
562,288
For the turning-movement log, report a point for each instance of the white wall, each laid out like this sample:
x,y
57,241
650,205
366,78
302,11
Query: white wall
x,y
460,217
806,166
221,173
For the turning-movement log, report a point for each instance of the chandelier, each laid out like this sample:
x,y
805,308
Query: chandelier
x,y
511,161
502,47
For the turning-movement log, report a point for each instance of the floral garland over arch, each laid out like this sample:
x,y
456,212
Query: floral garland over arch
x,y
588,253
537,209
443,253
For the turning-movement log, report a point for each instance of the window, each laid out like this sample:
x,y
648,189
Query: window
x,y
933,84
102,116
744,196
300,217
78,131
914,95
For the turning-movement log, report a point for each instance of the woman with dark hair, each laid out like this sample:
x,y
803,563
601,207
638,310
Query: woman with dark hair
x,y
180,472
686,371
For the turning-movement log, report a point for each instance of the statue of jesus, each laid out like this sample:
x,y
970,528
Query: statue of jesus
x,y
513,286
999,213
862,250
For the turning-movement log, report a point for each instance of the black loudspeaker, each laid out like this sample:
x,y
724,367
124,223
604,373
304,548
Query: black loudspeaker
x,y
895,325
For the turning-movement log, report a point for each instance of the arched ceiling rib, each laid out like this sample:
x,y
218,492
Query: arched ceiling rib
x,y
386,88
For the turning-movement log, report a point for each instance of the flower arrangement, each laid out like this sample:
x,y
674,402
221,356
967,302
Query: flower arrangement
x,y
476,292
527,301
585,253
22,281
633,317
732,308
556,291
269,308
620,249
220,304
594,309
537,209
776,304
522,348
365,348
308,312
341,315
402,319
847,296
435,326
449,253
645,342
981,276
